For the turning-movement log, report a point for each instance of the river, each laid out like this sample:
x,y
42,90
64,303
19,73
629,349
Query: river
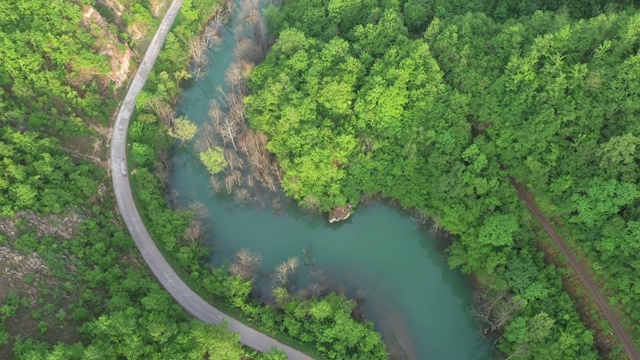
x,y
379,254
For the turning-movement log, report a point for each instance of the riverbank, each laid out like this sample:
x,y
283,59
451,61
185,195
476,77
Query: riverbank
x,y
168,228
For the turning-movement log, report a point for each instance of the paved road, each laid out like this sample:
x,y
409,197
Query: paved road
x,y
603,304
188,299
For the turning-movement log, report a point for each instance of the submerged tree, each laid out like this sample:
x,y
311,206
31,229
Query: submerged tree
x,y
198,49
495,310
285,272
197,229
246,265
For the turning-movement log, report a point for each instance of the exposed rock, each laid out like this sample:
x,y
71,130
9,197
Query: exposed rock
x,y
64,225
156,6
136,32
340,213
14,268
115,6
107,44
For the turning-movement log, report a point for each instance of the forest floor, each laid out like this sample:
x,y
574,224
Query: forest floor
x,y
581,272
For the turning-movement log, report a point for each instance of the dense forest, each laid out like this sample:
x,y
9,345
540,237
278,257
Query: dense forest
x,y
436,104
73,284
431,103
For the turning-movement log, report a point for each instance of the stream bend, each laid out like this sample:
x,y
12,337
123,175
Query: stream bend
x,y
186,297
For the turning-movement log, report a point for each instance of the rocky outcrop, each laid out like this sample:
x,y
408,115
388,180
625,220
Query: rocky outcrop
x,y
65,225
107,43
340,213
115,6
156,7
15,267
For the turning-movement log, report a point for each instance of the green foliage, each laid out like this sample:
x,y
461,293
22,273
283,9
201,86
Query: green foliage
x,y
274,354
603,199
324,323
51,80
142,154
4,335
439,122
37,172
48,64
418,13
183,129
327,322
213,159
10,305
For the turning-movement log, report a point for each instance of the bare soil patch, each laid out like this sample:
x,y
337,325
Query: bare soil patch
x,y
119,54
64,225
19,272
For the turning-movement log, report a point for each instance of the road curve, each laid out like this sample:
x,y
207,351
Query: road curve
x,y
186,297
603,304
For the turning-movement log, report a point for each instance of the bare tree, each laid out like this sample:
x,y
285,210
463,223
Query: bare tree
x,y
198,49
194,232
241,195
250,180
222,16
163,110
318,285
215,113
197,229
237,112
253,144
246,265
162,166
227,126
368,144
247,49
198,209
211,37
244,150
435,225
174,198
207,139
311,204
286,271
237,75
232,180
495,310
257,26
524,348
233,159
253,28
216,185
419,216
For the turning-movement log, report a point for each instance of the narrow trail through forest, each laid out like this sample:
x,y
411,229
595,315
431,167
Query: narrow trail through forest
x,y
601,301
187,298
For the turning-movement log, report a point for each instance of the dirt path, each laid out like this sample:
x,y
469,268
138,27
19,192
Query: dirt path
x,y
187,298
603,304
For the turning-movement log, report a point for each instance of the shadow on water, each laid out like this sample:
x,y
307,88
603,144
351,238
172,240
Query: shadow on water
x,y
374,305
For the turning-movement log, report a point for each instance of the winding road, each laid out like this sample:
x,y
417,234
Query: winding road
x,y
601,301
186,297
